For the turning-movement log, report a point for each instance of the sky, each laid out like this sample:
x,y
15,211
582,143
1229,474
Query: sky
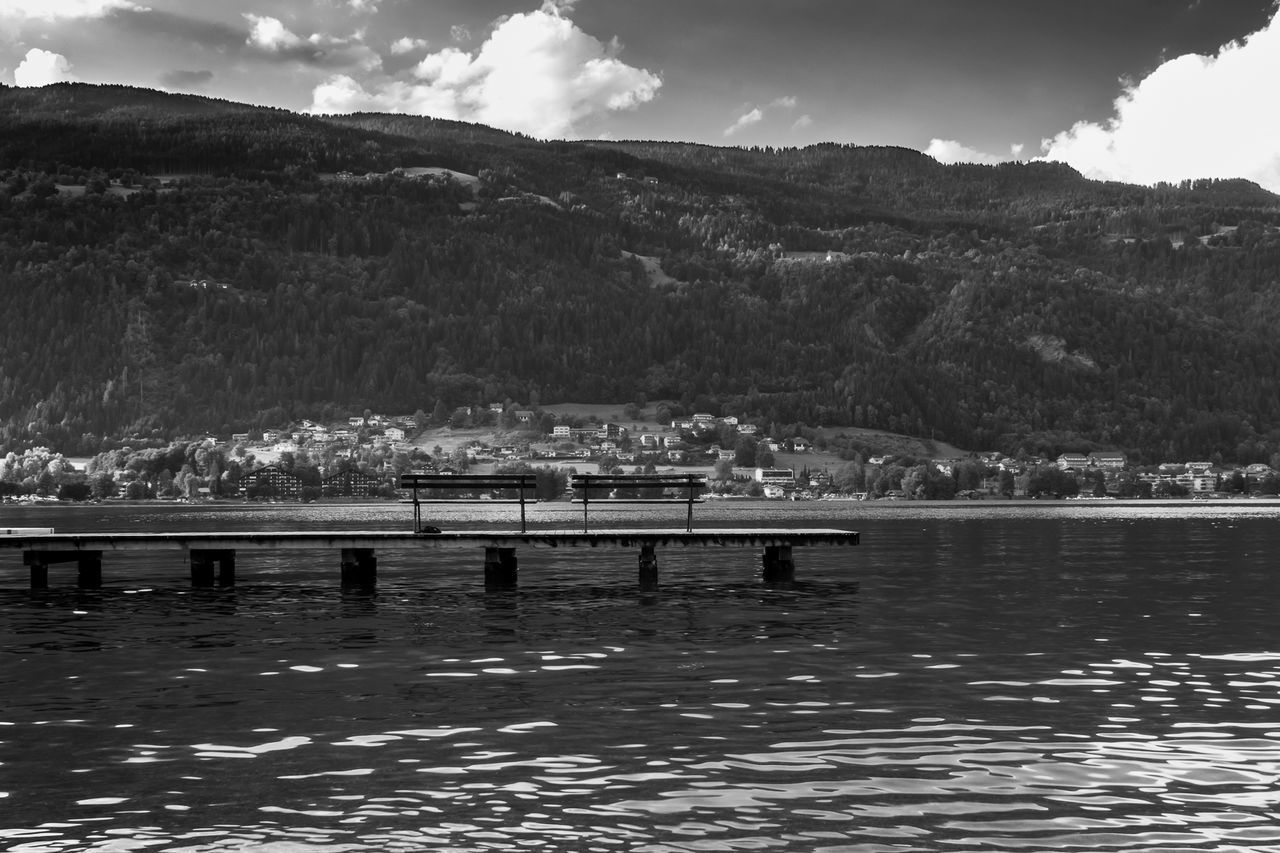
x,y
1131,90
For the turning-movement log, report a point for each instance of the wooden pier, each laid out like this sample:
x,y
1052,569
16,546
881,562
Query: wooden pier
x,y
212,556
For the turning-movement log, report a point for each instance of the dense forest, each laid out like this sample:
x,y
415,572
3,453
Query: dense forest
x,y
174,264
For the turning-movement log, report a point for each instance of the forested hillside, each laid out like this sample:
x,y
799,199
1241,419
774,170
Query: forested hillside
x,y
1018,307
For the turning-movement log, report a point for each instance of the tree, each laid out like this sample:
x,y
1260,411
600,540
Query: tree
x,y
850,477
1052,480
102,485
744,452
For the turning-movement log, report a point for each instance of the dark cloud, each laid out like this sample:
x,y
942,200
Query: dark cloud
x,y
183,28
184,81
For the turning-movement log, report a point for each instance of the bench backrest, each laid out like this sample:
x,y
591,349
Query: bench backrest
x,y
469,482
689,489
520,483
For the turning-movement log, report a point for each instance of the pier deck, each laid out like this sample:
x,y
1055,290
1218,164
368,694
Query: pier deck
x,y
358,548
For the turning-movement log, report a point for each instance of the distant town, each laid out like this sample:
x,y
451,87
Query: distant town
x,y
363,457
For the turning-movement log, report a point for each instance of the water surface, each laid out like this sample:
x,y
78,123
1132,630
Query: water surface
x,y
969,678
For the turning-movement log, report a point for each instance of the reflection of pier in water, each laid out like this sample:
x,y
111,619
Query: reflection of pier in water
x,y
212,556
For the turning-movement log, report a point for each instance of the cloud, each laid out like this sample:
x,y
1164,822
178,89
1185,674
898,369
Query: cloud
x,y
750,117
53,10
270,38
558,7
271,35
186,80
41,67
536,73
459,33
949,151
407,44
369,6
755,115
801,123
1193,117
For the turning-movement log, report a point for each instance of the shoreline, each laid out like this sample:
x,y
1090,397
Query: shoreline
x,y
1269,500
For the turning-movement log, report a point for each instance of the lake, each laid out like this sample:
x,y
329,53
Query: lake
x,y
971,677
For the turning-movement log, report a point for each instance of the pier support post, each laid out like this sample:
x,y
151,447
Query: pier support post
x,y
89,570
359,568
39,569
648,568
88,567
202,563
499,568
779,567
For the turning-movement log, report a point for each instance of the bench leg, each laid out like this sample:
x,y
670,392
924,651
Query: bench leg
x,y
499,568
648,569
359,568
779,567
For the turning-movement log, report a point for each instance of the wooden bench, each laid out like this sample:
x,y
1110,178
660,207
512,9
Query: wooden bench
x,y
648,489
481,486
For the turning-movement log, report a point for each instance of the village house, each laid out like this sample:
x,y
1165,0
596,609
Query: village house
x,y
610,431
1110,461
560,431
351,484
1069,461
800,445
775,476
270,482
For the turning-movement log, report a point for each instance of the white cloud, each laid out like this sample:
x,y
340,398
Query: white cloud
x,y
558,7
41,67
408,45
269,34
750,117
363,5
537,73
271,38
459,33
1193,117
755,115
52,10
949,151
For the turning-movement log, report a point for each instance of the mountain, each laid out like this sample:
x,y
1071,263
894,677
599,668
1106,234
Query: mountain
x,y
171,264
